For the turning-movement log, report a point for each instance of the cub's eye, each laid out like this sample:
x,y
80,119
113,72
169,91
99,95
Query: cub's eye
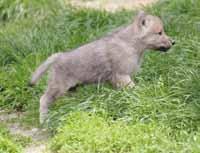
x,y
160,33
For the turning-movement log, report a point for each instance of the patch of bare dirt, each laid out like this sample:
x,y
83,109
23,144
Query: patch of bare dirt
x,y
6,116
35,134
38,148
38,136
110,5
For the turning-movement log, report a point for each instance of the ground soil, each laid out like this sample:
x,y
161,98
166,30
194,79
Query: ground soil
x,y
110,5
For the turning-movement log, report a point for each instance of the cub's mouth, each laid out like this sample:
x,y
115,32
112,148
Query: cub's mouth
x,y
163,49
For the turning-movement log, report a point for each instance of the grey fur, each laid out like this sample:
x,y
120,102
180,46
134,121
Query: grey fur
x,y
113,58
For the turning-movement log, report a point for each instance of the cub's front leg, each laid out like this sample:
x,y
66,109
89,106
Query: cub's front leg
x,y
122,81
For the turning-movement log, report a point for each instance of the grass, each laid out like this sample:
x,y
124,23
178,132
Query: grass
x,y
8,144
89,133
165,102
11,10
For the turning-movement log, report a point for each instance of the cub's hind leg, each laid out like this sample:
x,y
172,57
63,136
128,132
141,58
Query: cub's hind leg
x,y
57,87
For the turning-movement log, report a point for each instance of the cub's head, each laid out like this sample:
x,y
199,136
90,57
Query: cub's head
x,y
151,32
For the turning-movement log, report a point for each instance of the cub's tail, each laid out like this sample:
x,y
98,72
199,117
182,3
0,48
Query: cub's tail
x,y
43,68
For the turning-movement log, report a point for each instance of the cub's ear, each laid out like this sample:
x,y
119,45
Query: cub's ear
x,y
141,13
141,18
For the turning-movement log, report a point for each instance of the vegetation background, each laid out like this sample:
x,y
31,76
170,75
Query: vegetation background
x,y
162,113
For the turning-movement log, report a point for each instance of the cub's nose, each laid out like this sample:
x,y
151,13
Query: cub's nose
x,y
173,42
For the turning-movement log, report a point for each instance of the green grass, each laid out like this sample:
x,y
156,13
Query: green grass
x,y
12,143
165,102
88,133
11,10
